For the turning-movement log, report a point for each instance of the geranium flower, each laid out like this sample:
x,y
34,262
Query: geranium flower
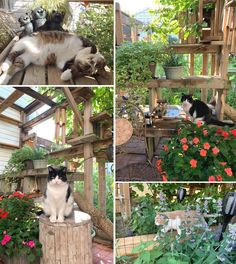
x,y
4,215
215,150
165,147
229,171
203,152
205,132
185,147
184,140
31,244
219,131
196,140
158,163
223,163
19,194
225,134
206,145
164,178
233,132
219,178
199,123
193,163
211,179
5,240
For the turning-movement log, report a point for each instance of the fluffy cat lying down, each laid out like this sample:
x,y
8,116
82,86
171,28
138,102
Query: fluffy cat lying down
x,y
53,47
58,199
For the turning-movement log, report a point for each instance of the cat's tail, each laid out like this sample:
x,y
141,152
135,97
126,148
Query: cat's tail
x,y
216,122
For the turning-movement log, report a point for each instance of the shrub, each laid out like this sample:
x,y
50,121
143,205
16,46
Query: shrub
x,y
199,152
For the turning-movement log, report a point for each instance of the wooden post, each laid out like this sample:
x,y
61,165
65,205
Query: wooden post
x,y
191,70
119,29
63,126
204,92
69,242
88,154
102,186
57,125
127,204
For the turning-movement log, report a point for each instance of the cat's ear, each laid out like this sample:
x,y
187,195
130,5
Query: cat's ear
x,y
64,170
50,169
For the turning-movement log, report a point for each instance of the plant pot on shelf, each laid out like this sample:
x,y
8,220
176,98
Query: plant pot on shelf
x,y
174,72
29,165
40,164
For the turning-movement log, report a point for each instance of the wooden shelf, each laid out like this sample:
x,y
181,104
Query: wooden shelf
x,y
196,48
90,138
100,117
201,82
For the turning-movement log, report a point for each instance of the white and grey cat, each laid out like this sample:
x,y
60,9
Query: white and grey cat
x,y
199,111
53,47
58,199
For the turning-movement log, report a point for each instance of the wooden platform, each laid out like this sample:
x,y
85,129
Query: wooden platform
x,y
50,75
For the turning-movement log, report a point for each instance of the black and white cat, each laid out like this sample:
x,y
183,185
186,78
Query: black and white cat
x,y
58,199
199,111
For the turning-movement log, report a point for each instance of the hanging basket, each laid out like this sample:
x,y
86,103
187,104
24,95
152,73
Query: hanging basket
x,y
7,30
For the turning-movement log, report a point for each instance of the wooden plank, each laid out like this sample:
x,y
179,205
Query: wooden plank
x,y
88,138
204,82
8,146
6,51
54,76
34,75
217,18
119,28
10,120
44,116
102,186
86,80
195,48
73,104
88,154
17,79
32,93
14,106
127,204
100,117
10,100
204,91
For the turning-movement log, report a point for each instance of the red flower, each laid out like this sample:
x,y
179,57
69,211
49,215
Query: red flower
x,y
215,150
233,132
219,131
223,163
185,147
219,178
184,140
205,132
158,163
225,134
165,148
1,198
206,145
164,178
203,153
193,163
19,194
229,171
4,215
195,140
211,179
199,123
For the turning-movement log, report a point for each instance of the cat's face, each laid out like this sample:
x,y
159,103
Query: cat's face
x,y
57,176
57,16
24,20
39,13
187,98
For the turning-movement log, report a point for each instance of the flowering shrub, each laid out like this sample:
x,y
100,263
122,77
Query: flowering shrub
x,y
19,227
199,152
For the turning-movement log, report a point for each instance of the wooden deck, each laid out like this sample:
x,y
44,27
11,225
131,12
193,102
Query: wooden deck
x,y
50,75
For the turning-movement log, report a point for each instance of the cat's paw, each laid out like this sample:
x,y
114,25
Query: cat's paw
x,y
60,219
52,219
66,75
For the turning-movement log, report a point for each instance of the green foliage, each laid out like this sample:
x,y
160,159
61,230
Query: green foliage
x,y
96,23
177,162
133,59
21,224
170,59
39,153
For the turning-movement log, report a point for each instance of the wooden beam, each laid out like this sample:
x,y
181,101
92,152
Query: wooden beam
x,y
73,104
8,146
44,116
89,138
100,117
195,48
10,100
102,186
10,120
14,106
42,98
88,154
119,28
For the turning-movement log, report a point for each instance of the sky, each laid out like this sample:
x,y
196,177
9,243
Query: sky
x,y
134,6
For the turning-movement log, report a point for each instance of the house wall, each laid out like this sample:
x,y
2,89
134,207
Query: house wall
x,y
9,134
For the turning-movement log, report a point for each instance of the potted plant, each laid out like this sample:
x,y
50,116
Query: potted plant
x,y
199,153
39,158
172,64
19,229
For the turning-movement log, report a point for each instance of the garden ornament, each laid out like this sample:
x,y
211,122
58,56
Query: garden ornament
x,y
229,210
181,193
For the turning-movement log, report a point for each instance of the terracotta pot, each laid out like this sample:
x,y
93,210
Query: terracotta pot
x,y
173,72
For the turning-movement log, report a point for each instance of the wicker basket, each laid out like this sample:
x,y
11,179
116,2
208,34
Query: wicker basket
x,y
8,25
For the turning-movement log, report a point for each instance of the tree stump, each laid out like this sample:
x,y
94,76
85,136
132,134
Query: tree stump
x,y
66,243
